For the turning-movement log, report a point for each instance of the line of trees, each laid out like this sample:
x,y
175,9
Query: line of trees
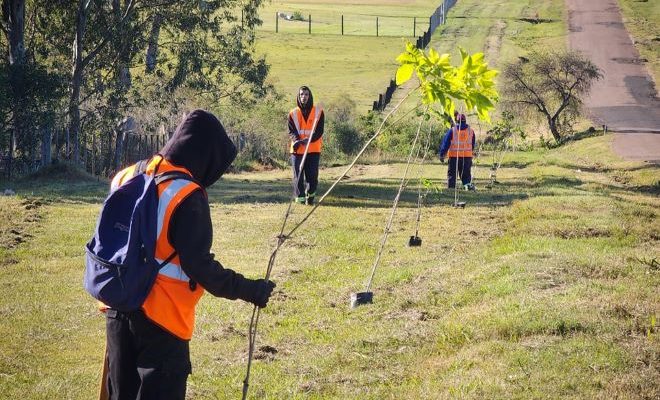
x,y
85,65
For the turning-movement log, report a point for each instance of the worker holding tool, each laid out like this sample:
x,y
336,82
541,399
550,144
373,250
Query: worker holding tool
x,y
459,143
306,131
148,349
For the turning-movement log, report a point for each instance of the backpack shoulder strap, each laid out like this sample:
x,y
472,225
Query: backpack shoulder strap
x,y
171,175
140,167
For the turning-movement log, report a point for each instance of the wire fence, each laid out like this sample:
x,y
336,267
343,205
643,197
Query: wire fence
x,y
436,19
347,24
100,155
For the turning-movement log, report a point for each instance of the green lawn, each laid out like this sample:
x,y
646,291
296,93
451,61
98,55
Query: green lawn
x,y
642,19
545,286
366,63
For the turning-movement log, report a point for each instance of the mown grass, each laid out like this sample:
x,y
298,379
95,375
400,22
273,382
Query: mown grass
x,y
545,286
642,19
366,63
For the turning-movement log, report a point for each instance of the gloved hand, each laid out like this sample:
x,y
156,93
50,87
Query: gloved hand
x,y
261,291
297,144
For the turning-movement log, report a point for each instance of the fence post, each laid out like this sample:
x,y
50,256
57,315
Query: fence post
x,y
414,26
342,25
310,24
376,26
242,23
277,21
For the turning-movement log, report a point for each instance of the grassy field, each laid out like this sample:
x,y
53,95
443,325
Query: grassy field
x,y
545,286
642,19
501,28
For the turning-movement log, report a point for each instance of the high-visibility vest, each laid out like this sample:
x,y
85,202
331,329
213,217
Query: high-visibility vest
x,y
305,127
173,297
461,143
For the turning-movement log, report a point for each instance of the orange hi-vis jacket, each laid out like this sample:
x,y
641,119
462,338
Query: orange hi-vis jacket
x,y
172,300
305,129
461,143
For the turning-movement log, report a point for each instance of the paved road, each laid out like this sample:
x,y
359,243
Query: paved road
x,y
625,99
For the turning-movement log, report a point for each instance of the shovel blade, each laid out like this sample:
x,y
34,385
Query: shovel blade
x,y
415,241
361,298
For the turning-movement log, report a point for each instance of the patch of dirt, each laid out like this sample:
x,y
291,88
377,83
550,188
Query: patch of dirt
x,y
586,233
265,353
17,221
536,20
494,42
629,60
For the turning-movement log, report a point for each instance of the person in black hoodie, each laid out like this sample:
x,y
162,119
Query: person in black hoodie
x,y
147,350
304,121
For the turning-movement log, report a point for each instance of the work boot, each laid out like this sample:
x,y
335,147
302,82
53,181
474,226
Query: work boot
x,y
470,186
300,200
310,199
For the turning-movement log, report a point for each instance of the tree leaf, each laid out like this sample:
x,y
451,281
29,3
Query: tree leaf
x,y
404,73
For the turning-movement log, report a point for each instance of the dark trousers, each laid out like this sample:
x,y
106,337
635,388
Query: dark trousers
x,y
144,361
310,173
464,170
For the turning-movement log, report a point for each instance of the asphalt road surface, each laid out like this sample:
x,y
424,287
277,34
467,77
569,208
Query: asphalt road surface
x,y
625,99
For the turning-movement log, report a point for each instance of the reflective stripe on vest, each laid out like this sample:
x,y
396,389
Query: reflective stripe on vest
x,y
171,302
461,143
169,198
304,128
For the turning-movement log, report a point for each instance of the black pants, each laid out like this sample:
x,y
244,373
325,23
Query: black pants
x,y
144,360
464,170
309,180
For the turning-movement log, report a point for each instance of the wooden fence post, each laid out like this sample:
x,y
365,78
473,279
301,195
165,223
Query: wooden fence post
x,y
277,22
376,26
342,25
310,24
414,26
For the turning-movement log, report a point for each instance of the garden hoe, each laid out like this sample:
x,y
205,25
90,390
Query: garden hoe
x,y
416,241
361,298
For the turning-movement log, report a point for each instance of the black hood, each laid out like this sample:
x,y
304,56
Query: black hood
x,y
201,145
310,103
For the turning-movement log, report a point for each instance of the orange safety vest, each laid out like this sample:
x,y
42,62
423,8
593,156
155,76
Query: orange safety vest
x,y
461,143
172,300
304,128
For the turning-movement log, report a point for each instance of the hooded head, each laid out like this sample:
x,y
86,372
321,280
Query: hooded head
x,y
310,101
201,145
461,122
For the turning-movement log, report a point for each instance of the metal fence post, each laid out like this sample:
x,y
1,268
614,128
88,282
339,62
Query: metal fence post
x,y
277,21
414,26
342,25
310,24
376,26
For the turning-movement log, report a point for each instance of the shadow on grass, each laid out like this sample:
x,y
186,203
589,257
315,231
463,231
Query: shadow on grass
x,y
367,193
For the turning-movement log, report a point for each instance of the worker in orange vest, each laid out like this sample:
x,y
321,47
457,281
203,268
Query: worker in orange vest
x,y
459,143
306,132
147,351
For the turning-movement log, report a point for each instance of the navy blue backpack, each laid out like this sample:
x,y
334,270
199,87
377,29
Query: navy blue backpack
x,y
120,266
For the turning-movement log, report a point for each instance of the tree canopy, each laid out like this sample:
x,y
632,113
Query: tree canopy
x,y
552,84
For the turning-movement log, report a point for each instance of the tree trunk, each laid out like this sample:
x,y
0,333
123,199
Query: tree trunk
x,y
152,50
119,146
13,12
552,123
14,15
123,49
46,138
77,79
